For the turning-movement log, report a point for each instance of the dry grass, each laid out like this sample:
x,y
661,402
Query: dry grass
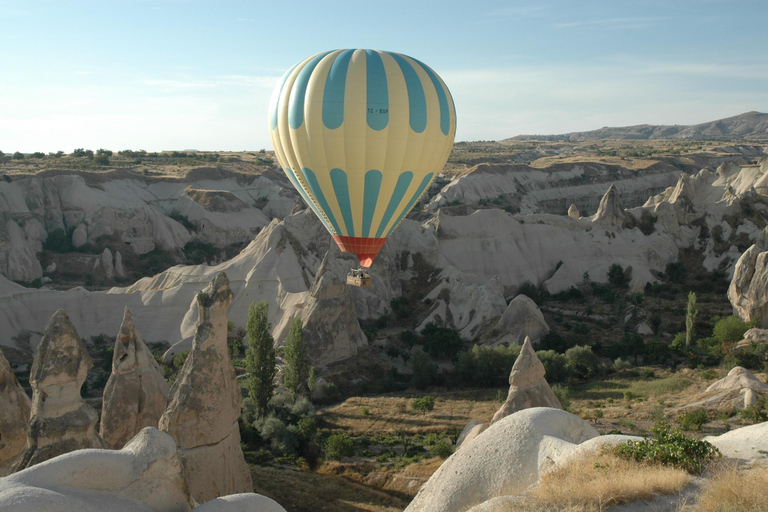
x,y
733,490
590,485
303,491
453,410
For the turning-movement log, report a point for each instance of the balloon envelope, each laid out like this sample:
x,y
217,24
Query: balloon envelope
x,y
361,134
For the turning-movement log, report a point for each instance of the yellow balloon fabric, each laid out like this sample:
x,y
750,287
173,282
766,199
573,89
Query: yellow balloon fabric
x,y
361,134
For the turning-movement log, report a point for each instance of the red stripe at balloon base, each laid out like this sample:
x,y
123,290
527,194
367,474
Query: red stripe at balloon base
x,y
365,248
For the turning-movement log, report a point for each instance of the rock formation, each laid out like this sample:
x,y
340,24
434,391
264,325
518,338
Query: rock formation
x,y
745,443
330,326
145,476
736,390
521,319
508,458
527,388
610,210
748,291
136,393
527,385
204,404
573,212
60,420
14,415
753,336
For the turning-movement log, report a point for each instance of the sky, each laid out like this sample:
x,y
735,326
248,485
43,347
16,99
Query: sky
x,y
193,74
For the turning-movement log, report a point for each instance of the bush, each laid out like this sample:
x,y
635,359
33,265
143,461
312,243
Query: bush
x,y
618,277
424,404
442,448
441,341
730,329
556,365
487,367
693,421
582,362
553,341
424,371
755,413
563,394
338,446
58,241
669,447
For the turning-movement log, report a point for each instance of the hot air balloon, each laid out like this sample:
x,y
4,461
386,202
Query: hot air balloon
x,y
361,134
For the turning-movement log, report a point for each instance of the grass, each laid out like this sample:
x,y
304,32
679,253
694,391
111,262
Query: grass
x,y
592,484
616,387
733,490
303,491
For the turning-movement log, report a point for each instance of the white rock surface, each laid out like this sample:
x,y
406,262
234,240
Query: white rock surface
x,y
527,385
522,318
136,393
745,443
14,416
610,211
145,476
247,502
507,458
60,420
730,391
204,404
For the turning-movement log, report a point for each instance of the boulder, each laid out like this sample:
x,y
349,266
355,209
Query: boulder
x,y
60,420
145,476
610,211
521,319
14,415
106,263
473,429
246,502
506,459
737,389
745,443
573,212
136,393
752,336
80,236
527,385
204,404
119,269
748,291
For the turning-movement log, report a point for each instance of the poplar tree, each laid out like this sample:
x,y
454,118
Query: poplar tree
x,y
260,357
296,369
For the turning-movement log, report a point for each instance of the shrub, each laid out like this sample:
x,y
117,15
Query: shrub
x,y
692,421
424,404
553,341
58,241
424,370
441,341
669,447
442,448
338,446
563,394
556,365
487,367
582,362
755,413
618,277
730,329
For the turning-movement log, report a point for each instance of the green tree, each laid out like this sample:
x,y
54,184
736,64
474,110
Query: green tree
x,y
424,404
690,319
260,357
730,329
18,155
424,370
295,352
618,277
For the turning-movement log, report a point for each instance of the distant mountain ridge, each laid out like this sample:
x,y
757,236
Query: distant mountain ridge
x,y
750,125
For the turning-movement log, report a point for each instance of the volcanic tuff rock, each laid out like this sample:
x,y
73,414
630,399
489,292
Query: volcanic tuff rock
x,y
520,320
745,443
465,307
527,385
136,393
145,476
748,291
507,458
204,404
573,212
60,421
14,415
753,336
610,210
737,389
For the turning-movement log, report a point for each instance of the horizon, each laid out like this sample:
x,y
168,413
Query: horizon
x,y
171,74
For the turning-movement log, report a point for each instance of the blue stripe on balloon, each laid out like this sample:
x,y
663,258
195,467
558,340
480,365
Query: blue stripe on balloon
x,y
341,188
413,200
445,114
417,103
304,195
377,98
314,187
333,95
283,79
370,198
299,91
397,195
